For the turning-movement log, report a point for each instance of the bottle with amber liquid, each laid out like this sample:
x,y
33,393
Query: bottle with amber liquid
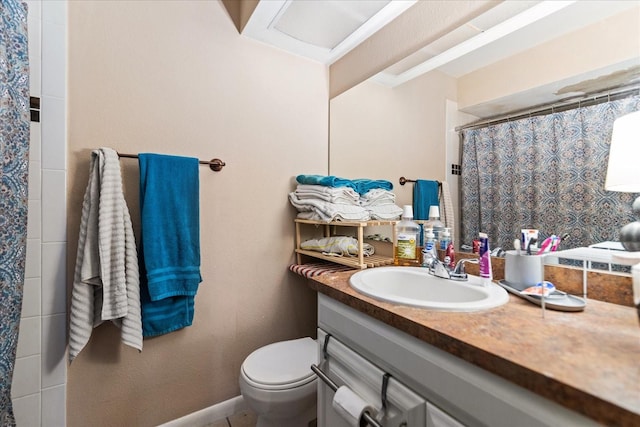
x,y
405,246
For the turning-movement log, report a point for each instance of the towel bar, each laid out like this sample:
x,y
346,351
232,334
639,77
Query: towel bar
x,y
404,180
216,165
333,386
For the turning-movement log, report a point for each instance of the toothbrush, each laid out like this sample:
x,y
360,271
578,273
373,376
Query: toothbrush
x,y
564,237
517,246
532,241
548,244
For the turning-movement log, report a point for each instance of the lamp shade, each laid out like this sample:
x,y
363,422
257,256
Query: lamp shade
x,y
623,171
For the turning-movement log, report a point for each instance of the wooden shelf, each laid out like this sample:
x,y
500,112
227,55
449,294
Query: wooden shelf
x,y
359,261
371,223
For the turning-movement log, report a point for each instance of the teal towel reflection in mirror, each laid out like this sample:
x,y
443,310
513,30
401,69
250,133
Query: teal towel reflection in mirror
x,y
361,185
425,195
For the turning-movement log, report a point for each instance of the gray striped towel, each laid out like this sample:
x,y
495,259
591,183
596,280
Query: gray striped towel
x,y
106,282
446,207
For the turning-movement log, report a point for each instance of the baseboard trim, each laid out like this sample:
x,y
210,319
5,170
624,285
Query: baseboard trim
x,y
209,415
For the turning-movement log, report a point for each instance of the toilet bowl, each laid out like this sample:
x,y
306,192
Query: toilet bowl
x,y
277,383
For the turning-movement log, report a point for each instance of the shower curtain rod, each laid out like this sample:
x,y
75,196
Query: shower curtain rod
x,y
585,100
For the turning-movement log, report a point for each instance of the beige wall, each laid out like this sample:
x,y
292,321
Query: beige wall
x,y
384,133
581,59
176,78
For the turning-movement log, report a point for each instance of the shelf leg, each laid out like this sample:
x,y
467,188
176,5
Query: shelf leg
x,y
298,255
361,246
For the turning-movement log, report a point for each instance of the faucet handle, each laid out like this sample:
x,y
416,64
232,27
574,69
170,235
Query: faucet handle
x,y
459,268
458,272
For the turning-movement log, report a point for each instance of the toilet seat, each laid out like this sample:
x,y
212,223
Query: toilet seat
x,y
282,365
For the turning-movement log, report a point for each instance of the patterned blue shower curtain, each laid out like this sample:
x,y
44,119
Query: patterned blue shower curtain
x,y
14,151
544,172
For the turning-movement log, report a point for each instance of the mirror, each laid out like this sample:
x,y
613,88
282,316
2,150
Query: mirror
x,y
383,132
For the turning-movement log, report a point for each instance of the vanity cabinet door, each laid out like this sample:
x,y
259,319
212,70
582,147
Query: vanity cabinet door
x,y
344,366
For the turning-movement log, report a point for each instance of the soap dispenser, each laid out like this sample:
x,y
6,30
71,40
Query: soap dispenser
x,y
429,253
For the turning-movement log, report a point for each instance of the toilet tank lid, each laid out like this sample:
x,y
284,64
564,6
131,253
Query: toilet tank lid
x,y
282,362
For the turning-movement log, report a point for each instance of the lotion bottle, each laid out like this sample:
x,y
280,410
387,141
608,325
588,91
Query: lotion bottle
x,y
405,246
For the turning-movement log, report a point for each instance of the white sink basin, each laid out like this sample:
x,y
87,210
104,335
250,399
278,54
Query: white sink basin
x,y
416,287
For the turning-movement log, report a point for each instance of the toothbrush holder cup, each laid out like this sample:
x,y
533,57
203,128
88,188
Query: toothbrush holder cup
x,y
523,269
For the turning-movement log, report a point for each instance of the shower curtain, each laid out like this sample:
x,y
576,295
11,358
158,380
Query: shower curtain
x,y
544,172
14,151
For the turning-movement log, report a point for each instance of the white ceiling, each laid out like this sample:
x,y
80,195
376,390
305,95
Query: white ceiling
x,y
325,30
322,30
505,30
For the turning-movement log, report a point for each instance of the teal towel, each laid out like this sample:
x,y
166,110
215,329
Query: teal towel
x,y
165,315
170,243
365,185
425,195
327,181
361,185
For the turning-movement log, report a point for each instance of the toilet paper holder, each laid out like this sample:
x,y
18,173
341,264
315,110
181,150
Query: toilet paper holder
x,y
333,386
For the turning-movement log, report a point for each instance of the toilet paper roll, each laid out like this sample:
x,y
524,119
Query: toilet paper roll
x,y
523,269
350,406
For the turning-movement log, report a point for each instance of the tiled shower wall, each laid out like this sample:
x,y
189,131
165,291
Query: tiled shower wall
x,y
39,382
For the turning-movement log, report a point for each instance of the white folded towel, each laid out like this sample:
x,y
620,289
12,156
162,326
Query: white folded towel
x,y
344,195
385,212
377,196
106,283
326,211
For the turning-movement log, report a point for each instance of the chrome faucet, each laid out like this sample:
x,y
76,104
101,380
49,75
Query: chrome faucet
x,y
438,269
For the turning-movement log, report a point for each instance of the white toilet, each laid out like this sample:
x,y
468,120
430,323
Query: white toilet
x,y
277,383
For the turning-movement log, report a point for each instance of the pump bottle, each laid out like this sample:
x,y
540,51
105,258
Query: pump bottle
x,y
429,254
445,238
435,224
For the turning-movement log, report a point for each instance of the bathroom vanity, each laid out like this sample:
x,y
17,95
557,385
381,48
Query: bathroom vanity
x,y
502,367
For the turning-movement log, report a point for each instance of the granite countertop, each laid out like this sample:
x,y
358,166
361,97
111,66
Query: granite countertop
x,y
587,361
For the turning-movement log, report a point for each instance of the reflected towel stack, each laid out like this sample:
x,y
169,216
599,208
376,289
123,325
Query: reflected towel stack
x,y
381,204
319,209
330,198
343,195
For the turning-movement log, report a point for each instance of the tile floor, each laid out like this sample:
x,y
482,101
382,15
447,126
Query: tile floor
x,y
241,419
